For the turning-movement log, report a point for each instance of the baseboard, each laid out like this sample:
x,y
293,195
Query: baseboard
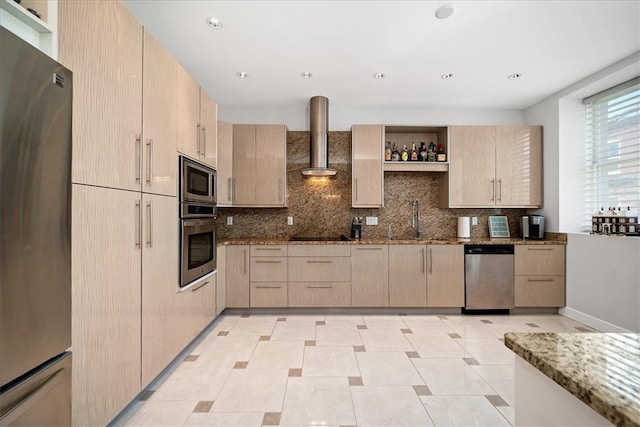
x,y
594,322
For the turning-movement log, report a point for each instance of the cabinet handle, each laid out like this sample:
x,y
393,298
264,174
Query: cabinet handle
x,y
246,261
430,261
150,162
500,190
319,287
493,189
229,194
539,249
540,280
138,157
198,139
374,248
195,288
268,261
149,225
268,249
319,261
267,287
137,231
424,260
204,141
280,190
233,191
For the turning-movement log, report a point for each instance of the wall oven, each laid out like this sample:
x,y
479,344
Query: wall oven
x,y
197,221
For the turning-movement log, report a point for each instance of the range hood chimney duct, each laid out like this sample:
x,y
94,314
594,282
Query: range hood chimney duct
x,y
319,144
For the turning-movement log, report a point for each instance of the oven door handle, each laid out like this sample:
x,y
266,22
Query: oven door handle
x,y
197,222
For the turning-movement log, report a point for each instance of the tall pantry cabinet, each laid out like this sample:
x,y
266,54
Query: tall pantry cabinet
x,y
125,229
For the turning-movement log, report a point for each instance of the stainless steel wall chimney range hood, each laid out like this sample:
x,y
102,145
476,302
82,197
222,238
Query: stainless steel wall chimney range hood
x,y
319,147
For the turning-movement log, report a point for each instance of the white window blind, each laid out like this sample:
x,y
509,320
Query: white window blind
x,y
613,149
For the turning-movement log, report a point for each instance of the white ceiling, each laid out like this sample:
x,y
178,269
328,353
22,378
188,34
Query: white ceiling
x,y
343,43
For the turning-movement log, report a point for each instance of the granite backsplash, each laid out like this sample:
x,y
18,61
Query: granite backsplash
x,y
324,208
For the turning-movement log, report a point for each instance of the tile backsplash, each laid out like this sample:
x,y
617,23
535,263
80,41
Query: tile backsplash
x,y
324,208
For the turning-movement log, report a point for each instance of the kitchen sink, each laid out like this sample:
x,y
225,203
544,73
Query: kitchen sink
x,y
340,238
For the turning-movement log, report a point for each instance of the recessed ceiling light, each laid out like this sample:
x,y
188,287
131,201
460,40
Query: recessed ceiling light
x,y
214,23
242,75
444,12
446,76
306,75
514,76
379,76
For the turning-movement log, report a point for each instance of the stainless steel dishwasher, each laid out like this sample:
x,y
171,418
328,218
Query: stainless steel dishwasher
x,y
489,277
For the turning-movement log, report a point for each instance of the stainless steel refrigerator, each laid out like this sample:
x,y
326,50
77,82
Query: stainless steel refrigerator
x,y
35,236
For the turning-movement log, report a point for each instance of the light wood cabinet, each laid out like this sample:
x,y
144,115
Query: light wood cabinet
x,y
445,276
168,101
268,274
407,276
540,276
369,276
224,168
237,279
107,91
493,166
366,166
106,301
221,279
259,165
208,142
319,294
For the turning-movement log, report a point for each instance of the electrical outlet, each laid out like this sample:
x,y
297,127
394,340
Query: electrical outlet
x,y
371,220
289,220
474,220
229,220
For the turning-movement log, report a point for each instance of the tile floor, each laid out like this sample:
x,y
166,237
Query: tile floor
x,y
344,370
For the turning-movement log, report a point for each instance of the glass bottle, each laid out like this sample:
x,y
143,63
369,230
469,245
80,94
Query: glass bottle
x,y
387,151
395,154
414,153
441,156
423,152
431,153
405,153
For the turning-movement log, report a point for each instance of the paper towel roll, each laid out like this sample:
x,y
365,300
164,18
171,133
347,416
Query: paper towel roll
x,y
464,230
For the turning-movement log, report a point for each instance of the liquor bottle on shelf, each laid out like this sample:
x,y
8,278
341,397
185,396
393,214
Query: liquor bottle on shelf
x,y
387,151
441,156
405,153
414,153
423,152
431,153
395,154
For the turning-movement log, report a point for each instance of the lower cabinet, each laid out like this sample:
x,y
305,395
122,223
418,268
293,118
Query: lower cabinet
x,y
221,279
237,277
445,276
268,276
369,276
540,276
407,276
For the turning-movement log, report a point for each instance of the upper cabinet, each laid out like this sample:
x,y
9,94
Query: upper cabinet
x,y
493,166
367,176
224,178
259,166
208,142
107,92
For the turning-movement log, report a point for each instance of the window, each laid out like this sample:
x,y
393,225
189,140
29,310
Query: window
x,y
613,149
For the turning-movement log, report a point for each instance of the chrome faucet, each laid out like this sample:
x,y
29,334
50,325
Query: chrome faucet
x,y
415,217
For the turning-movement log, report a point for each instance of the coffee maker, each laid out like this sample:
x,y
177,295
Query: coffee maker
x,y
532,226
356,228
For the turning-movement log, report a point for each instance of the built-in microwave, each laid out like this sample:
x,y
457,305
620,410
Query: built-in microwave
x,y
197,182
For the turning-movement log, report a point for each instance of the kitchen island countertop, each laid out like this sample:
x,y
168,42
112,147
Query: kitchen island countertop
x,y
600,369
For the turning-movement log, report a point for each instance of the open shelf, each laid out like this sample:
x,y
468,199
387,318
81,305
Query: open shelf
x,y
23,15
415,167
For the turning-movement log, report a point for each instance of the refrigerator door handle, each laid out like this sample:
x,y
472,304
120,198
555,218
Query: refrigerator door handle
x,y
34,397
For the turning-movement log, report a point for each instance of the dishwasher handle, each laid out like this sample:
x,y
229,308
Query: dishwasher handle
x,y
488,250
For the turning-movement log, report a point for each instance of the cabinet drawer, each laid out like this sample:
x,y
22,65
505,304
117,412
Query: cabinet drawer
x,y
268,269
539,291
320,250
320,269
268,294
319,294
541,260
268,250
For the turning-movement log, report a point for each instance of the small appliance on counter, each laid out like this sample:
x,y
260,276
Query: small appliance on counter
x,y
356,227
532,226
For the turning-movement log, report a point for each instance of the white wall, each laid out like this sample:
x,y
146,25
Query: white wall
x,y
603,273
341,118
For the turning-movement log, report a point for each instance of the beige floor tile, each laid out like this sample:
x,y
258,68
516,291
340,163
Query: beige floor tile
x,y
488,351
163,413
389,406
222,419
343,319
439,346
508,413
338,335
317,401
387,368
330,361
463,411
384,321
254,325
475,329
294,330
277,354
451,377
215,348
500,378
194,381
381,339
252,390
